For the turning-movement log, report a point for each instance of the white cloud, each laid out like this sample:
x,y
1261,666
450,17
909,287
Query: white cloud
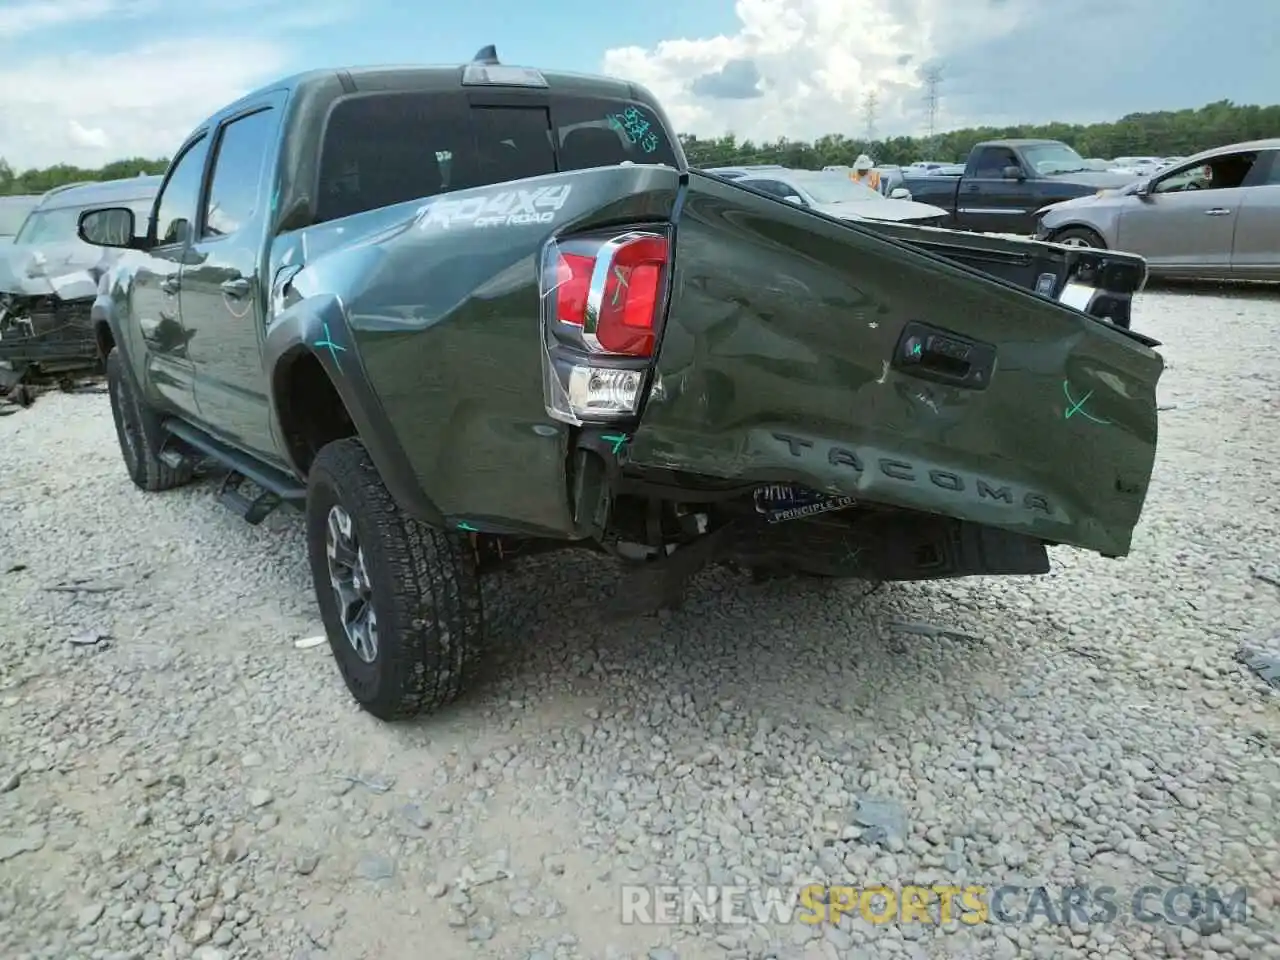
x,y
70,92
817,58
90,109
21,18
1003,62
82,136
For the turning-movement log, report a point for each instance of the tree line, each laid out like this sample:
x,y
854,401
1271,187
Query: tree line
x,y
1166,133
1161,134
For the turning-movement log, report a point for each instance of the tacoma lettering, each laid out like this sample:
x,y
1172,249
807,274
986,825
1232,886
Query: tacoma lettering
x,y
985,490
907,472
794,444
897,469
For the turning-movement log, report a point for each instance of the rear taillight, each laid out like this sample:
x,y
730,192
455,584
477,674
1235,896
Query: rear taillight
x,y
603,300
614,295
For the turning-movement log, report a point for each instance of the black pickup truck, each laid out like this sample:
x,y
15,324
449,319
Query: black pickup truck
x,y
1006,181
460,315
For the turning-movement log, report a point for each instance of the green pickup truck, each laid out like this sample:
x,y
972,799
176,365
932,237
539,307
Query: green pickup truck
x,y
462,314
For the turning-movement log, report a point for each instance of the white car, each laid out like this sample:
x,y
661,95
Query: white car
x,y
837,196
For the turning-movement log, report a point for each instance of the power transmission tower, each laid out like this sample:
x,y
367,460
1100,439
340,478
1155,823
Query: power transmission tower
x,y
932,81
869,104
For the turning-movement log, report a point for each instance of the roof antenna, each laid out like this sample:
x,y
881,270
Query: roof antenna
x,y
487,55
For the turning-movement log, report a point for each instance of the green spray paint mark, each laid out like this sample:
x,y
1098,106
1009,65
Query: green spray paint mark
x,y
617,439
328,343
622,284
1077,406
467,527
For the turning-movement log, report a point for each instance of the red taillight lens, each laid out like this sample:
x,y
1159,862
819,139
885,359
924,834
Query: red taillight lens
x,y
620,315
627,317
573,281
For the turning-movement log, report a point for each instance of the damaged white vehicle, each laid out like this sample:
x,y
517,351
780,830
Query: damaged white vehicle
x,y
49,278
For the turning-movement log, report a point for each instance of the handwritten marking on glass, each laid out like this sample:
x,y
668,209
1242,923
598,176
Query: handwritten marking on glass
x,y
636,128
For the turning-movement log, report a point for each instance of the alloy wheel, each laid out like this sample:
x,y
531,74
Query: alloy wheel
x,y
349,577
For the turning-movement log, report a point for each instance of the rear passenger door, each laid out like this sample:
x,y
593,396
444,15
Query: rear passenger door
x,y
222,291
1255,253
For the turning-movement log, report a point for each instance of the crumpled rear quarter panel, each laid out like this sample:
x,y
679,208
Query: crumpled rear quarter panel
x,y
774,366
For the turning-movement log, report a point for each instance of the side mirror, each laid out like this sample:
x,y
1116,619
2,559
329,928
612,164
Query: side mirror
x,y
109,227
792,198
900,193
1143,190
1012,172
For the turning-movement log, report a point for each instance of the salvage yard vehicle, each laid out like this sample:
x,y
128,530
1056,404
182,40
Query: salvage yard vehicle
x,y
1215,216
463,314
842,198
49,278
1006,181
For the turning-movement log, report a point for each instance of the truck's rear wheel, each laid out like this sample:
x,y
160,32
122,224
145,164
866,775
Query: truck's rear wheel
x,y
138,432
400,601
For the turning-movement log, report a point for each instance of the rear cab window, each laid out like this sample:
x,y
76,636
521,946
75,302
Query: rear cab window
x,y
385,148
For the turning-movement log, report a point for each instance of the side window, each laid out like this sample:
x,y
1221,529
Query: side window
x,y
1190,178
1220,173
993,160
774,188
181,195
1272,177
234,186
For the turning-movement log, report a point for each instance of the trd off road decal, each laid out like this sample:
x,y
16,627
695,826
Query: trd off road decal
x,y
779,502
510,208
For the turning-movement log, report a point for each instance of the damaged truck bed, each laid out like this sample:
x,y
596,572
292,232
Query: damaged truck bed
x,y
471,313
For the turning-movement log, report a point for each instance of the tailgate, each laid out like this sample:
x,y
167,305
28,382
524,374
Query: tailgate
x,y
800,349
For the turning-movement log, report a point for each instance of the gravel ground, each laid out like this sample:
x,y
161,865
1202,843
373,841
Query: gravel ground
x,y
193,784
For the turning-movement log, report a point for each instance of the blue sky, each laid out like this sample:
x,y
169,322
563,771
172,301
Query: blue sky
x,y
88,81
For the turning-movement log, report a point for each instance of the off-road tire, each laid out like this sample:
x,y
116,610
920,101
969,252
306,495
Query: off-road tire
x,y
1083,234
135,419
425,590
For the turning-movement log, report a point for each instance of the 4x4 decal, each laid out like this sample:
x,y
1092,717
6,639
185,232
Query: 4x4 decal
x,y
509,208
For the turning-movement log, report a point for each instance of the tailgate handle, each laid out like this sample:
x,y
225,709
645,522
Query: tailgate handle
x,y
931,353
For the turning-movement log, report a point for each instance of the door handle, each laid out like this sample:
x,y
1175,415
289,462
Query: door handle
x,y
1217,212
170,285
239,287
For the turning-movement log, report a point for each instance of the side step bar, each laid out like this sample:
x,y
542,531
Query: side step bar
x,y
277,486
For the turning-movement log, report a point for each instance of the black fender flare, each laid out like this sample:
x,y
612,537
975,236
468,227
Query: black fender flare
x,y
318,326
102,313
